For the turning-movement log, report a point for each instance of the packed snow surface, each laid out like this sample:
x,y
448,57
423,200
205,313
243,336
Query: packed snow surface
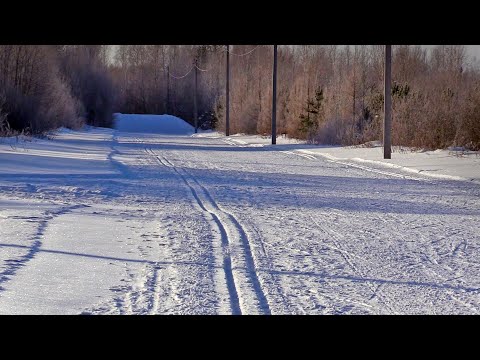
x,y
140,220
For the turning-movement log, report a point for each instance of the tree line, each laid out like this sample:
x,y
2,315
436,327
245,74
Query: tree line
x,y
43,87
326,94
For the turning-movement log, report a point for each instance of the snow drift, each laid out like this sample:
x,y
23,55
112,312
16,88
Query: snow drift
x,y
157,124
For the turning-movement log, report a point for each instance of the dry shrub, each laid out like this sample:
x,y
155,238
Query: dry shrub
x,y
468,133
58,107
35,96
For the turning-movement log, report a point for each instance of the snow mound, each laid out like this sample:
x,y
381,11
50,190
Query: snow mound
x,y
154,124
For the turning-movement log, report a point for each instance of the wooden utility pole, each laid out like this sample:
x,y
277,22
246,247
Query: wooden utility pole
x,y
167,106
195,115
274,97
227,101
387,119
354,90
166,75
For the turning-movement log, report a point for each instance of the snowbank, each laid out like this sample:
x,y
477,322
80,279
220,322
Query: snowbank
x,y
442,164
453,164
154,124
248,140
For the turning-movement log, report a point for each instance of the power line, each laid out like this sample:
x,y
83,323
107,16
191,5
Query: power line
x,y
183,76
206,70
179,77
247,53
202,69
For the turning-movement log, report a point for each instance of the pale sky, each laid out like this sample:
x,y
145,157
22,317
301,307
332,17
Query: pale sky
x,y
472,50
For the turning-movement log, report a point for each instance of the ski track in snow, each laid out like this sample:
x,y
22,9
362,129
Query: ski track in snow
x,y
229,228
218,226
227,261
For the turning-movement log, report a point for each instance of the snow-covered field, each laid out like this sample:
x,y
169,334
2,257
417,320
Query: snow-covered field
x,y
160,221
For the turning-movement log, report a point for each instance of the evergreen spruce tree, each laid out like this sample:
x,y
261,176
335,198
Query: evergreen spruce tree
x,y
310,120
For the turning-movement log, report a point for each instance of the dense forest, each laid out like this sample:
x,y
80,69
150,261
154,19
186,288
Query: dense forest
x,y
326,94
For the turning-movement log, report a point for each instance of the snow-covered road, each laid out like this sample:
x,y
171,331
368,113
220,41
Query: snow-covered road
x,y
110,222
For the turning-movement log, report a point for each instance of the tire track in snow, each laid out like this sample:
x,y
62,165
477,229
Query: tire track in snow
x,y
13,265
227,261
227,223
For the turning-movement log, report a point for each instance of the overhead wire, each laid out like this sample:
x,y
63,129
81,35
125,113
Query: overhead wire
x,y
179,77
206,70
244,54
202,69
